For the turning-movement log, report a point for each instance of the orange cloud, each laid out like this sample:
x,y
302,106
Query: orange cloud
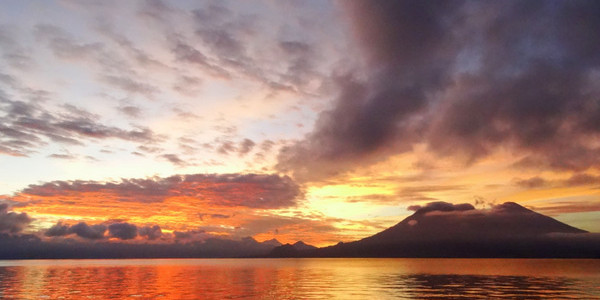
x,y
230,205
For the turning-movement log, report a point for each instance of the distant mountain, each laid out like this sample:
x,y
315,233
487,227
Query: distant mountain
x,y
32,247
289,250
442,229
438,229
272,242
300,245
445,221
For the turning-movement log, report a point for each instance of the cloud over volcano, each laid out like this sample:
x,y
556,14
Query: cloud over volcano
x,y
465,78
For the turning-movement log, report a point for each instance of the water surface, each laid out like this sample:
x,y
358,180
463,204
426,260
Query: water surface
x,y
339,278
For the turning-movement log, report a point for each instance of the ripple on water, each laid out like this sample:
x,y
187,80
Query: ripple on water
x,y
302,279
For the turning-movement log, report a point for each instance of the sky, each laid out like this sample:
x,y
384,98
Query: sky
x,y
321,121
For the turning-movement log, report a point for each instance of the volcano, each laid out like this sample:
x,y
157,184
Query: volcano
x,y
442,229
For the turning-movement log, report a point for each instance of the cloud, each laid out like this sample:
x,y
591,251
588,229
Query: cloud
x,y
533,182
225,205
58,229
582,179
92,232
12,222
575,180
119,230
383,199
191,235
188,86
150,232
130,85
63,45
114,68
174,159
564,207
123,231
188,54
249,190
441,206
231,44
131,111
463,81
221,40
12,51
26,127
155,9
213,216
246,146
418,192
29,246
62,156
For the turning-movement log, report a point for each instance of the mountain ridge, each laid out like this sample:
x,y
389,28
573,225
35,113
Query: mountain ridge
x,y
442,229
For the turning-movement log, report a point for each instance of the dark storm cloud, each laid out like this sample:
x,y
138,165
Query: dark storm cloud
x,y
12,222
464,77
250,190
123,231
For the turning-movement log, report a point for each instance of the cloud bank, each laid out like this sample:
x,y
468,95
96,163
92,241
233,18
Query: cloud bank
x,y
248,190
465,78
12,222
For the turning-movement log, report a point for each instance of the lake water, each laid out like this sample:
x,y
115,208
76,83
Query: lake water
x,y
301,279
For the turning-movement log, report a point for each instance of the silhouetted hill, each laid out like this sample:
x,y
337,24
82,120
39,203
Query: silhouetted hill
x,y
300,246
436,230
32,247
289,250
272,242
442,229
441,220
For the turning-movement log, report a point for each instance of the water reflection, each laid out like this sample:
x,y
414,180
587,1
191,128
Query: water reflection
x,y
301,279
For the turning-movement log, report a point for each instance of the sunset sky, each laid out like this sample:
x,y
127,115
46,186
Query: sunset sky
x,y
320,121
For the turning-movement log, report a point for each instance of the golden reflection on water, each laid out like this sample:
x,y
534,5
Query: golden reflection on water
x,y
301,279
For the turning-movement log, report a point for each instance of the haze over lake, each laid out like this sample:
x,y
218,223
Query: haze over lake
x,y
301,279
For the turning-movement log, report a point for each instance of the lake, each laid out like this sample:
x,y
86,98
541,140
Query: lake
x,y
307,278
